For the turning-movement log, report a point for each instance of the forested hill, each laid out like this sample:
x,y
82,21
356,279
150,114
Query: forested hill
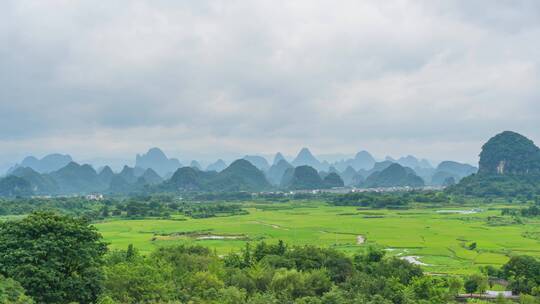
x,y
509,166
509,153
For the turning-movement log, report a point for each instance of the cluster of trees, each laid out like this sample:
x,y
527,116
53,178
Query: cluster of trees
x,y
66,261
509,186
158,205
372,199
71,205
522,273
388,199
55,258
531,211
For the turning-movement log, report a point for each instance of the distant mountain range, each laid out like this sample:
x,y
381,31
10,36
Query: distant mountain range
x,y
158,161
394,175
58,174
241,175
49,163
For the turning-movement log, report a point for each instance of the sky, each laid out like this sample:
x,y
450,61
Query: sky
x,y
104,80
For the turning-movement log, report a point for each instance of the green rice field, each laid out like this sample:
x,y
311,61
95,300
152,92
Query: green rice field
x,y
438,239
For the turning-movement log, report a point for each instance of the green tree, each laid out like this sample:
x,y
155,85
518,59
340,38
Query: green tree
x,y
289,285
130,253
105,211
56,258
523,272
11,292
139,280
203,286
454,285
476,283
232,295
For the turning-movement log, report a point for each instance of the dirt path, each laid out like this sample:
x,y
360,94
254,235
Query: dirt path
x,y
271,225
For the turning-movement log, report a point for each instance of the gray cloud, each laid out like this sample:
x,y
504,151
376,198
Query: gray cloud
x,y
208,78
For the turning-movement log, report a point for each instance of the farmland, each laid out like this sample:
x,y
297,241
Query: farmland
x,y
453,240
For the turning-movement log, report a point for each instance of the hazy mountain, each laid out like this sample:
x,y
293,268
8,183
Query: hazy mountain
x,y
13,186
128,174
305,158
40,183
287,178
304,178
394,175
47,164
324,166
425,173
357,180
138,171
456,168
379,166
277,158
362,160
440,177
105,175
195,164
276,171
323,174
75,178
217,166
451,169
333,180
120,185
151,177
258,161
241,175
348,175
413,162
186,179
157,160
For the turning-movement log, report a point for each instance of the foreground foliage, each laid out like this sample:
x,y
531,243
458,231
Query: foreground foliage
x,y
56,258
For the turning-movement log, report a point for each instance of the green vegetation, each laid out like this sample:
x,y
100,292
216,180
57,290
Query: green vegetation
x,y
354,248
439,239
261,272
333,180
277,170
11,292
303,177
509,153
509,186
12,186
393,176
57,259
509,167
204,237
531,211
241,175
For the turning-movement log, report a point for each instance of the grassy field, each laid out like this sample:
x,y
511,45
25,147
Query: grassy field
x,y
439,240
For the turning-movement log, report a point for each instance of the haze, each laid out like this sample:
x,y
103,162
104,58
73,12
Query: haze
x,y
208,79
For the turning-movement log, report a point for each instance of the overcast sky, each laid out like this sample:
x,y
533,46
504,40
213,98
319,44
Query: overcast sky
x,y
201,79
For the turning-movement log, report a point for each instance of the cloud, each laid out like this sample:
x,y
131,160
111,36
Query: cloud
x,y
205,78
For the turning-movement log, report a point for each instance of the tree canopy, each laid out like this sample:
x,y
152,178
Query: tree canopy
x,y
56,258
